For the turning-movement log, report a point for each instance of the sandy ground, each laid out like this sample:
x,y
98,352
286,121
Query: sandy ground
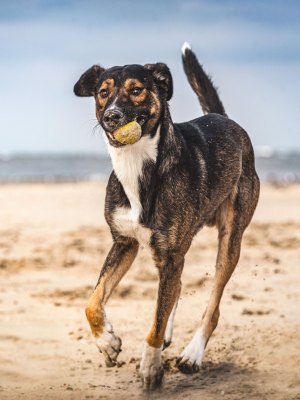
x,y
53,241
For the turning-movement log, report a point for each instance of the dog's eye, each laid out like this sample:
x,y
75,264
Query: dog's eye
x,y
136,91
103,93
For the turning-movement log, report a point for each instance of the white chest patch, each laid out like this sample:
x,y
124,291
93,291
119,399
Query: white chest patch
x,y
128,163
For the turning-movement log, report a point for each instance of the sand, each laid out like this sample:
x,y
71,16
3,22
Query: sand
x,y
53,241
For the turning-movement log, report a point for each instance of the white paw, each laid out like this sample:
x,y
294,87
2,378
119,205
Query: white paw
x,y
190,359
109,345
151,369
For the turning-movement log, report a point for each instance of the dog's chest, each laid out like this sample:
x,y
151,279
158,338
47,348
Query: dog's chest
x,y
128,163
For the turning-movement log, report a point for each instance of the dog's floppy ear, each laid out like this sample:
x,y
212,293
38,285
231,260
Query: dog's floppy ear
x,y
87,83
162,76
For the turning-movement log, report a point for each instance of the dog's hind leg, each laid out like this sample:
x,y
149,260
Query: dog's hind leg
x,y
151,369
117,263
232,219
169,328
228,254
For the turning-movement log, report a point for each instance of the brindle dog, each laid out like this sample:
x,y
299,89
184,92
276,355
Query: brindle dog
x,y
162,191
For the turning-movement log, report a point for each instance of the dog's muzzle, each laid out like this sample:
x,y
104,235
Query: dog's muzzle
x,y
113,119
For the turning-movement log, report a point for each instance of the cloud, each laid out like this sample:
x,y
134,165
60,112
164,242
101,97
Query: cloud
x,y
253,59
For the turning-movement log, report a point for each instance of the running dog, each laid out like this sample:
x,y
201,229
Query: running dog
x,y
177,178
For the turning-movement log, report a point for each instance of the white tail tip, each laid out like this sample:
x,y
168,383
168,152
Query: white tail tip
x,y
185,46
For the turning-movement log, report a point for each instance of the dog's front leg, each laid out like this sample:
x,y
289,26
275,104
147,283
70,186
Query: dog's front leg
x,y
117,263
151,369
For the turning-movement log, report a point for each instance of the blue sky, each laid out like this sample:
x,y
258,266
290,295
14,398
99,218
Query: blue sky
x,y
251,48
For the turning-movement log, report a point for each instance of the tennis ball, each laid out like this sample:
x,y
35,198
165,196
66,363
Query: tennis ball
x,y
129,133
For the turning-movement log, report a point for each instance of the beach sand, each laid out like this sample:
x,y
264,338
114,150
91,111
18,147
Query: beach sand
x,y
53,241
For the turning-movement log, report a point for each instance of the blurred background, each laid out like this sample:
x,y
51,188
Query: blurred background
x,y
54,237
251,49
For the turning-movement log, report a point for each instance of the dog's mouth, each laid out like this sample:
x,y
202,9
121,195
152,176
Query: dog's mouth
x,y
141,120
114,142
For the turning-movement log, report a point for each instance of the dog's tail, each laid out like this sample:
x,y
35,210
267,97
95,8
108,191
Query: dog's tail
x,y
201,83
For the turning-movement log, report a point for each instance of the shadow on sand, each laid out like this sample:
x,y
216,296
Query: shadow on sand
x,y
224,380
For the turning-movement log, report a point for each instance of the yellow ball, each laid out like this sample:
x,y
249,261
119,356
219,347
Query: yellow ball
x,y
129,133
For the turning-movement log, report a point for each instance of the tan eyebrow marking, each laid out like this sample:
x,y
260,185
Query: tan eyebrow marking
x,y
131,83
108,85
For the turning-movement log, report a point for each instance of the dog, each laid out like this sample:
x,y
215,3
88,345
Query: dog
x,y
177,178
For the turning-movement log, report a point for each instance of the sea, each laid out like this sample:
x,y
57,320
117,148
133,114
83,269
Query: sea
x,y
275,167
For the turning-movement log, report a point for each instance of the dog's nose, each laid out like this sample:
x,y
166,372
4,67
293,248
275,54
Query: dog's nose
x,y
112,118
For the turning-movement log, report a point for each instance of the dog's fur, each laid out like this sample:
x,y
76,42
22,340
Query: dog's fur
x,y
162,191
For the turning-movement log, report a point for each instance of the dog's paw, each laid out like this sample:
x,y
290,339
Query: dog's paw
x,y
151,369
190,359
110,346
187,367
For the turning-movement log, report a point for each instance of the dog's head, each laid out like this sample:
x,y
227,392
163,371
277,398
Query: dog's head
x,y
129,93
